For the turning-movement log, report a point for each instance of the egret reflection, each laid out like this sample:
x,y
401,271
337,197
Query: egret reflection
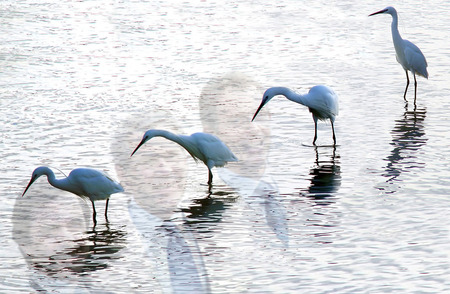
x,y
94,250
173,250
208,209
187,272
157,184
408,136
325,177
251,145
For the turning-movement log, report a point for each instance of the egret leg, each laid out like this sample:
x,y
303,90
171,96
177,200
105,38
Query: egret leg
x,y
334,136
94,215
210,176
106,210
315,131
415,87
407,84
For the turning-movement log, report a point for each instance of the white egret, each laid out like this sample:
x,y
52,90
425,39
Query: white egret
x,y
84,182
408,55
206,147
321,101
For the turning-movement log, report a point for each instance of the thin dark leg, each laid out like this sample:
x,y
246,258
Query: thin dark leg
x,y
407,84
210,177
415,88
315,131
106,210
334,136
317,155
94,215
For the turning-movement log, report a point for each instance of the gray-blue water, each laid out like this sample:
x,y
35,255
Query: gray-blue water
x,y
82,81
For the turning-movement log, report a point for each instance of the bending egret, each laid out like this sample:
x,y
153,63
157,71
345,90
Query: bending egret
x,y
206,147
321,101
84,182
408,55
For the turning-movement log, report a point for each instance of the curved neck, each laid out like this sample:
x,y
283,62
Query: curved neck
x,y
289,94
183,141
394,28
60,184
168,135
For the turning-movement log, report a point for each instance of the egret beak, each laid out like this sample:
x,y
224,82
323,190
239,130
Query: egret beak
x,y
29,184
381,11
259,108
138,146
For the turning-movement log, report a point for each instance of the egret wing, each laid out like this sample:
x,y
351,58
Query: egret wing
x,y
332,103
92,182
214,149
323,101
415,59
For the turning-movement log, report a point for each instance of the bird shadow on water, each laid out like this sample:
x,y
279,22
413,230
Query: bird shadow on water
x,y
408,136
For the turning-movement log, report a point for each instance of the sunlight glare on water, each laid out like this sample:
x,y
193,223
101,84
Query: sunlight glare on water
x,y
82,81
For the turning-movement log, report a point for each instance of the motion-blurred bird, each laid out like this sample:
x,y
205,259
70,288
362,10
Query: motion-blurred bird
x,y
408,55
321,101
205,147
84,182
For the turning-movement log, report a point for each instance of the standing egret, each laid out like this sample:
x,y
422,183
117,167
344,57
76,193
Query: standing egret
x,y
84,182
321,101
206,147
408,55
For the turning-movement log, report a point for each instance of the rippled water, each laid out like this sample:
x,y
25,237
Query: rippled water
x,y
82,81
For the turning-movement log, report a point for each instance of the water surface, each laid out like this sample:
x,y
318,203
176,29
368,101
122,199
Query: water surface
x,y
82,81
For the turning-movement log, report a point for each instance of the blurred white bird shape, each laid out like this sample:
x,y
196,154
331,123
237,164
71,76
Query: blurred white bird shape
x,y
321,100
203,146
84,182
408,55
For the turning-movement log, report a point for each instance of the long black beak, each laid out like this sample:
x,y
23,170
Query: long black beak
x,y
259,108
138,146
28,186
381,11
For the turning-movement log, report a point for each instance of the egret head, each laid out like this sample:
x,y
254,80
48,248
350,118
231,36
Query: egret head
x,y
42,170
147,136
268,94
389,10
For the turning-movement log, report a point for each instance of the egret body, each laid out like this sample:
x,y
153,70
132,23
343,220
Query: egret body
x,y
321,101
84,182
203,146
408,55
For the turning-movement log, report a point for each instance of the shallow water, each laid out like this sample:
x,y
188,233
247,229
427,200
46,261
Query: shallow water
x,y
82,81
